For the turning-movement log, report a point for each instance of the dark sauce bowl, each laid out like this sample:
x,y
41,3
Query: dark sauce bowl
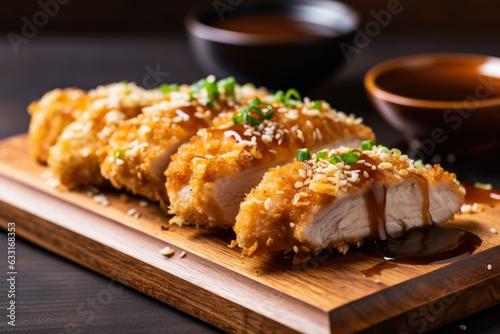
x,y
441,102
301,61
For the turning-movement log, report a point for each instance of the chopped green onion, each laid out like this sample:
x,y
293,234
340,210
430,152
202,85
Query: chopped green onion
x,y
249,114
321,155
278,96
124,83
212,89
396,153
483,186
208,102
288,101
383,149
303,154
198,85
334,159
228,85
117,154
164,88
419,164
318,105
367,145
237,117
349,157
191,95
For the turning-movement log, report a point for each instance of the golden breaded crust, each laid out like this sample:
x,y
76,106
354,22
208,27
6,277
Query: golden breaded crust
x,y
276,213
73,159
146,142
50,115
143,140
216,153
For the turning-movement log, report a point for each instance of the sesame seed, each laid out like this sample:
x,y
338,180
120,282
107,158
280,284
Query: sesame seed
x,y
377,281
295,249
183,254
365,174
367,164
302,173
280,192
493,230
292,225
143,203
385,165
374,167
462,327
273,151
299,184
269,242
267,203
489,266
167,251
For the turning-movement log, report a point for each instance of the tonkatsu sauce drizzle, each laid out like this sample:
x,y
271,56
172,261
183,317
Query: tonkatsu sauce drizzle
x,y
429,245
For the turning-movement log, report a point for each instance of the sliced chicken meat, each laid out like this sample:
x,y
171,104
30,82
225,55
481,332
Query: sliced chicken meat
x,y
73,158
139,150
210,175
338,198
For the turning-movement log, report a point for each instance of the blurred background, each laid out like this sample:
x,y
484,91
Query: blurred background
x,y
87,43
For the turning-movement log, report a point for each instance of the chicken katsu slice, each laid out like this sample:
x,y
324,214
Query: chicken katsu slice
x,y
338,198
50,115
139,150
209,176
73,158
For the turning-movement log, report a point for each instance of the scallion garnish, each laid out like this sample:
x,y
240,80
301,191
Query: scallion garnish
x,y
483,186
395,152
303,154
228,85
318,105
383,149
117,154
198,85
419,164
207,102
165,88
292,93
321,155
367,145
254,114
349,157
212,90
334,159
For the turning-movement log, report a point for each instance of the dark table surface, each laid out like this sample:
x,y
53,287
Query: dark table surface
x,y
57,296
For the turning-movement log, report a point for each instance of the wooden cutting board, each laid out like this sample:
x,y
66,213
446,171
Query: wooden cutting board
x,y
242,295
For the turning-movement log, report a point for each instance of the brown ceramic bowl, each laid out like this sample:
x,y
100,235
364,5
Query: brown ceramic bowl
x,y
444,101
273,60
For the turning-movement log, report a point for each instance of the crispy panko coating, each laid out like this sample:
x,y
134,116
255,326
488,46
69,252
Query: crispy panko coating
x,y
139,150
307,206
50,115
209,176
73,159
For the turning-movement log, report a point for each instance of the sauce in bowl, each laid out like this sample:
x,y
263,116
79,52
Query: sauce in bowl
x,y
279,26
442,81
